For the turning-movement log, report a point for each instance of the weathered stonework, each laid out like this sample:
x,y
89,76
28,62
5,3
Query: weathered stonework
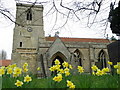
x,y
35,49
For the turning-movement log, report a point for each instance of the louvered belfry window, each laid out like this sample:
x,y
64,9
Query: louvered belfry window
x,y
29,14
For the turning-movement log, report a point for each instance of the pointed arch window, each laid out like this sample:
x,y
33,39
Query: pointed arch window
x,y
78,56
29,14
102,59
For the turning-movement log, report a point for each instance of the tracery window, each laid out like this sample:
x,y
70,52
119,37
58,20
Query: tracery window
x,y
78,57
102,59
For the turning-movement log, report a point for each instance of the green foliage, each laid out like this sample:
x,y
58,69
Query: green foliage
x,y
80,81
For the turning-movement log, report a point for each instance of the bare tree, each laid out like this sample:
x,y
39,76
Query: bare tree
x,y
3,55
90,10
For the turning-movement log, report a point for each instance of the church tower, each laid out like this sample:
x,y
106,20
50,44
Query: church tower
x,y
28,32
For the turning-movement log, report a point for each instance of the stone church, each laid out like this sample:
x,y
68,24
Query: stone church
x,y
30,44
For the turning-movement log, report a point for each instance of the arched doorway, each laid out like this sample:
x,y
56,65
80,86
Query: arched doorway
x,y
60,57
78,57
101,60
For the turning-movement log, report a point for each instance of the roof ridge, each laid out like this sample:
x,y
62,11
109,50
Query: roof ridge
x,y
77,38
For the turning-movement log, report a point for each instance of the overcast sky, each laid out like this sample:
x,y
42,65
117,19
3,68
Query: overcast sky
x,y
71,29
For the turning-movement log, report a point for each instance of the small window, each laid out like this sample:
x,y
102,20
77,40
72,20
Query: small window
x,y
29,14
20,44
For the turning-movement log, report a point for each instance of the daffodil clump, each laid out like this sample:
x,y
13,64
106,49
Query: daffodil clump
x,y
26,79
57,67
98,72
104,71
65,70
25,67
58,78
117,66
94,68
15,71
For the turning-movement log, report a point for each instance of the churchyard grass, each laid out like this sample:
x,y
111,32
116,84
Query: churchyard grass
x,y
80,81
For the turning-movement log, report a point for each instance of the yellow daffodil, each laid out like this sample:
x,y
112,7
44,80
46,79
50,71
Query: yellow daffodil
x,y
3,67
13,66
110,63
57,67
65,64
27,79
70,84
17,70
9,71
66,70
106,70
25,65
118,63
61,71
99,72
118,71
67,73
2,71
94,68
70,66
38,68
57,62
58,78
93,73
115,66
52,68
19,83
25,70
80,69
